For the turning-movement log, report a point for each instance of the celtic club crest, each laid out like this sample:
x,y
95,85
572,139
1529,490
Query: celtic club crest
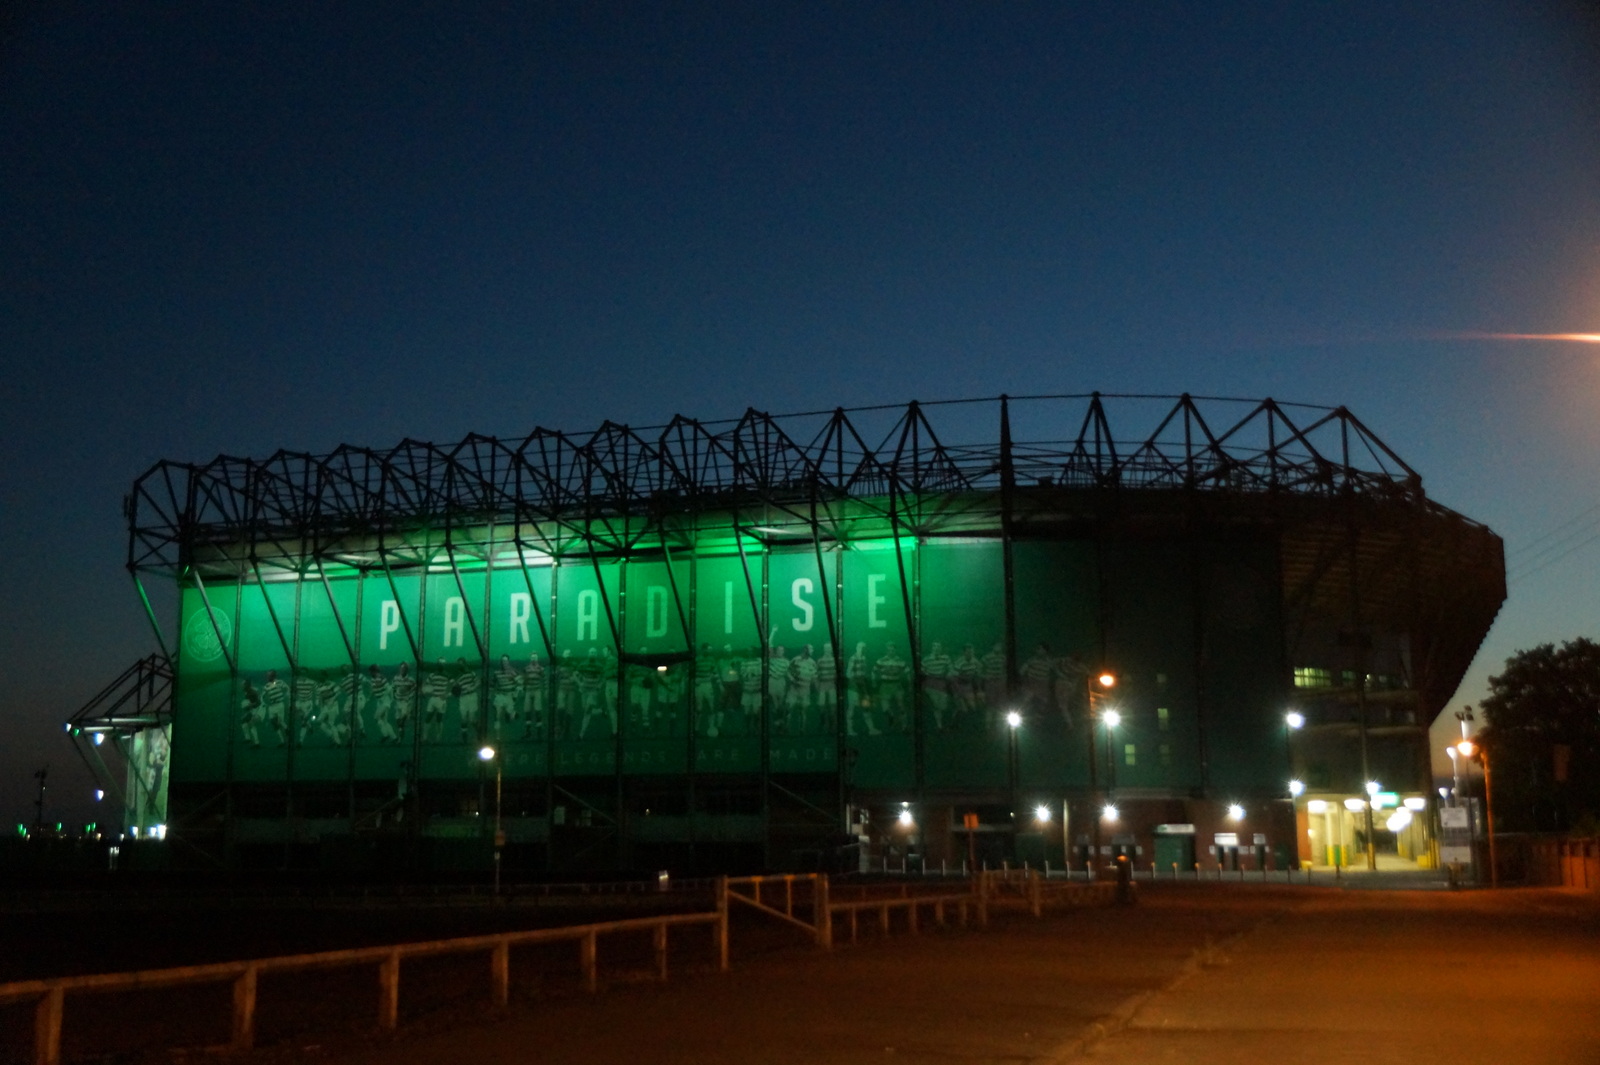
x,y
204,641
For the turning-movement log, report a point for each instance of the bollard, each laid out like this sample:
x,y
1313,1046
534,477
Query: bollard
x,y
1124,880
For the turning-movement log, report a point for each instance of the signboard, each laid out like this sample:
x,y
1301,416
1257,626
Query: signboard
x,y
1174,830
1227,839
1453,817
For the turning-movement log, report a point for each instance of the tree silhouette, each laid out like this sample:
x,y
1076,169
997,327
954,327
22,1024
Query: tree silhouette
x,y
1543,737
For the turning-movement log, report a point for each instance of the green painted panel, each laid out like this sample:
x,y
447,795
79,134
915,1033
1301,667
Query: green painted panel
x,y
203,700
728,754
878,669
656,695
1056,588
586,613
963,663
267,615
585,757
452,683
728,700
656,607
1246,680
1149,610
798,610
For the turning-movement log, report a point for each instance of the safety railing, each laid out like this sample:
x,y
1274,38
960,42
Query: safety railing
x,y
803,901
51,994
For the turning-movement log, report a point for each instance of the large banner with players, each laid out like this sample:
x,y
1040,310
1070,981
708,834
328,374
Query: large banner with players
x,y
884,660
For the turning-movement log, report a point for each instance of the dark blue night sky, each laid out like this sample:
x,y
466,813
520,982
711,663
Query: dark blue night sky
x,y
244,227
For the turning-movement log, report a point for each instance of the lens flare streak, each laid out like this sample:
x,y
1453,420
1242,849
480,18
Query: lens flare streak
x,y
1568,338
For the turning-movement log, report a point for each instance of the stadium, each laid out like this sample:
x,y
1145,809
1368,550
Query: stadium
x,y
1195,632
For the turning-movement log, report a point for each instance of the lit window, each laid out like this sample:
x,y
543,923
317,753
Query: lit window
x,y
1163,718
1128,754
1311,677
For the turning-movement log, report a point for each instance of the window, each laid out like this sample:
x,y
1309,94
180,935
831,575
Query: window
x,y
1311,677
1165,751
1163,718
1128,754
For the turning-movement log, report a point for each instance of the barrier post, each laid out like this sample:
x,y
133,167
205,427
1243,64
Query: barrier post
x,y
47,1027
389,992
720,928
588,960
1035,895
824,913
661,952
500,972
244,1010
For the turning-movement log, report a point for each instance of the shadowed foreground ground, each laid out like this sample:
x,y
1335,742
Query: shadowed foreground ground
x,y
1195,973
1289,975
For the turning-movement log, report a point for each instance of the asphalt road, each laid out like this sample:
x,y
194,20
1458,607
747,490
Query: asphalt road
x,y
1194,973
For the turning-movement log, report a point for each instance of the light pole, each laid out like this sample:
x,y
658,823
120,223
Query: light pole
x,y
1013,722
1111,719
1469,749
1455,773
489,754
1105,680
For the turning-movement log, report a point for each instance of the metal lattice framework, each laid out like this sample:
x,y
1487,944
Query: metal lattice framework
x,y
591,488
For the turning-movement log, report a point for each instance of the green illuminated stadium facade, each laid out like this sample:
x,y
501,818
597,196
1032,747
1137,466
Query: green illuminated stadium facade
x,y
791,642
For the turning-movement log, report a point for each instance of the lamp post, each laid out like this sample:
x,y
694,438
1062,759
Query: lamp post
x,y
1105,681
1111,719
1455,773
1469,750
1013,770
489,754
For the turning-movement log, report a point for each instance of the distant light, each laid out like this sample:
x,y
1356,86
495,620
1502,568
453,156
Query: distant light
x,y
1297,788
1295,719
1416,803
99,738
905,817
158,831
99,793
1467,747
1111,718
1235,812
1041,812
68,726
1108,680
661,669
1013,718
1355,805
1316,806
486,753
1108,813
1398,820
1373,787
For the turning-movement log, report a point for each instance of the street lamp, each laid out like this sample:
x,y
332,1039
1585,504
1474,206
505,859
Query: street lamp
x,y
1470,750
1455,773
1013,723
489,754
1111,719
1105,681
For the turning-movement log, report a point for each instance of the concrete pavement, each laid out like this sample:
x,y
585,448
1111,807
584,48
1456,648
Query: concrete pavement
x,y
1195,973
